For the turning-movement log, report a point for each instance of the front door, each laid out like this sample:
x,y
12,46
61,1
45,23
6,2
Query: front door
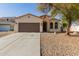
x,y
44,26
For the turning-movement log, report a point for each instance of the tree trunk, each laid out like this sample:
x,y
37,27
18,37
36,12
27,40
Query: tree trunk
x,y
69,25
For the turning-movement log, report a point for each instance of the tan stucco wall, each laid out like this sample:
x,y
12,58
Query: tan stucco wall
x,y
28,19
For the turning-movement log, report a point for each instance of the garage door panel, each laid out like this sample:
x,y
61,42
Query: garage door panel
x,y
4,27
29,27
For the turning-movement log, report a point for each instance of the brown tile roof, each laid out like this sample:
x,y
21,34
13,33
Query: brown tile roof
x,y
45,18
26,15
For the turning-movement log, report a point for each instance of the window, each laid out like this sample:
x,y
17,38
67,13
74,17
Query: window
x,y
56,25
51,25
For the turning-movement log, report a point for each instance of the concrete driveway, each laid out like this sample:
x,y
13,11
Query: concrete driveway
x,y
20,44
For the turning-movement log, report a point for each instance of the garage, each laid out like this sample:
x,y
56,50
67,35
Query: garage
x,y
29,27
4,28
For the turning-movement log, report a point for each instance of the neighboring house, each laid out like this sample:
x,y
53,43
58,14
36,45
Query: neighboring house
x,y
6,24
75,26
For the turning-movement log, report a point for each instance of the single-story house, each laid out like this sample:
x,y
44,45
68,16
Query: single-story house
x,y
32,23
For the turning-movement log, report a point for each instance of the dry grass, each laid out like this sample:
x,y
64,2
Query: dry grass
x,y
59,44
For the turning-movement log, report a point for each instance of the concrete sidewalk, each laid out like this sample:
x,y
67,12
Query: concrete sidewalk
x,y
20,44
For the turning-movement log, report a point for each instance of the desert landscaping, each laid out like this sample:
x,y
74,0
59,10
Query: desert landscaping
x,y
59,45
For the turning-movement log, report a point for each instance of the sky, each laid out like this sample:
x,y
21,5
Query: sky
x,y
18,9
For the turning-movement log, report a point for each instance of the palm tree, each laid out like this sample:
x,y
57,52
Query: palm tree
x,y
69,11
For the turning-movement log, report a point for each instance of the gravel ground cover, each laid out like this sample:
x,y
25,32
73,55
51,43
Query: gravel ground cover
x,y
59,45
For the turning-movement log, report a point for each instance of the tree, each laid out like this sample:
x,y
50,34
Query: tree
x,y
69,11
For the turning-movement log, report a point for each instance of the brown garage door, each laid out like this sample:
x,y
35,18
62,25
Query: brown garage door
x,y
29,27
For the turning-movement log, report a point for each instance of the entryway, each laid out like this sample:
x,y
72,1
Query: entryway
x,y
44,26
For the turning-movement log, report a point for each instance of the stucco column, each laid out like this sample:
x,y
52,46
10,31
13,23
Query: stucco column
x,y
16,27
48,27
41,27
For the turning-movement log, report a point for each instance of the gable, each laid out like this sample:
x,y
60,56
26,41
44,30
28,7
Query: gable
x,y
28,18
